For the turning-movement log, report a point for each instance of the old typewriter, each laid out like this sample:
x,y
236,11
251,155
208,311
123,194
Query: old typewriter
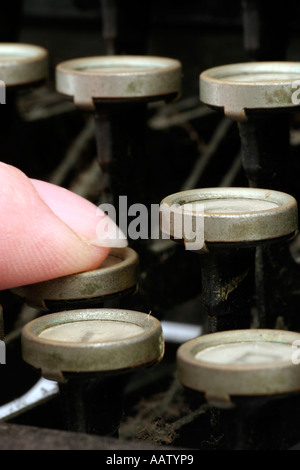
x,y
184,118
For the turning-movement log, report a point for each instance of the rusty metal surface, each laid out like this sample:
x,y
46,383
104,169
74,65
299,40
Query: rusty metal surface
x,y
227,287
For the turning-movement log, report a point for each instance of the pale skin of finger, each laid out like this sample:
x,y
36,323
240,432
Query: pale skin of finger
x,y
62,202
87,220
35,243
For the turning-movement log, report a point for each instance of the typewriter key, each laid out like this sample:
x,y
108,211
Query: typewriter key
x,y
260,96
117,90
22,64
91,353
225,225
91,79
251,371
240,88
115,278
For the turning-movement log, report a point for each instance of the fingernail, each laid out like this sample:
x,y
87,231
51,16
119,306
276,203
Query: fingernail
x,y
109,235
109,243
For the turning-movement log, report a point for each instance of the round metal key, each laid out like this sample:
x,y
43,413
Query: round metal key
x,y
118,275
118,78
92,340
254,362
228,215
240,87
22,64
